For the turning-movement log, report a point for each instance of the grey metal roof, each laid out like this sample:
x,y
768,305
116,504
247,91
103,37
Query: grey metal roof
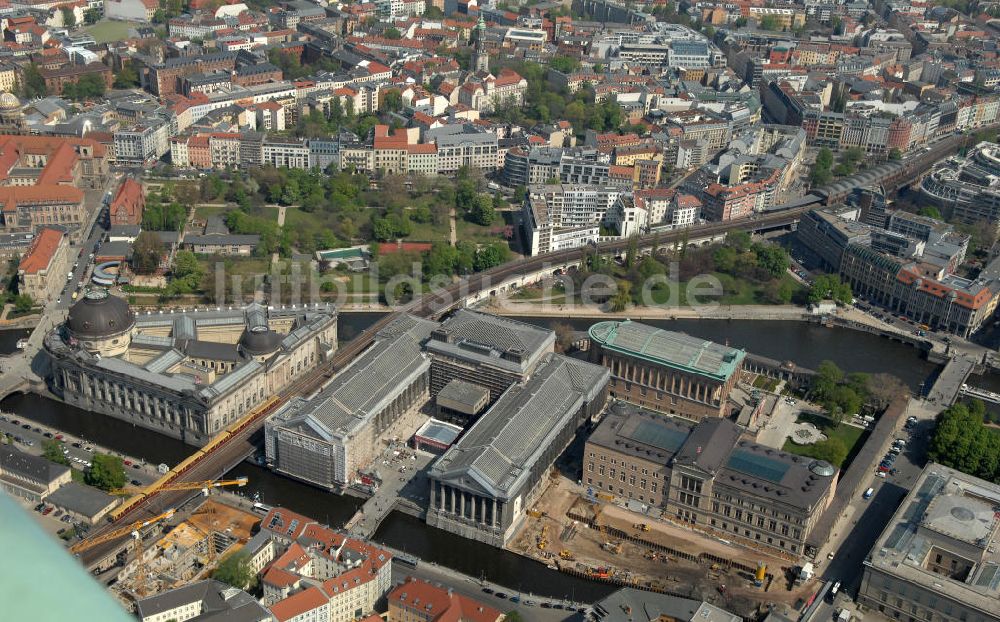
x,y
497,453
492,340
362,389
81,499
212,350
232,379
31,468
177,383
165,361
627,603
218,602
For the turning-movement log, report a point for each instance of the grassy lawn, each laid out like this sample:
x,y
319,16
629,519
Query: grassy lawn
x,y
734,292
765,383
429,232
852,438
297,218
108,30
479,234
204,212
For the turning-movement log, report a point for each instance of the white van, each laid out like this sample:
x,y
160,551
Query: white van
x,y
868,494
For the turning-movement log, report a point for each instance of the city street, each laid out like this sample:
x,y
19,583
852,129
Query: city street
x,y
35,433
863,521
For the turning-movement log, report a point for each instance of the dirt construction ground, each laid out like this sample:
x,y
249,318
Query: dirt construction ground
x,y
592,550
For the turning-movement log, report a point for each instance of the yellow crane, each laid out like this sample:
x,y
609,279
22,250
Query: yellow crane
x,y
205,486
134,529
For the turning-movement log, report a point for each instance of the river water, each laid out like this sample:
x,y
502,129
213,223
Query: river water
x,y
805,344
9,338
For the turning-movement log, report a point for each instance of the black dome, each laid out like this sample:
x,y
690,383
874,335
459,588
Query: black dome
x,y
99,314
260,340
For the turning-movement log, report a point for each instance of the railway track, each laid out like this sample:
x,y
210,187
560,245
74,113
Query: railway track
x,y
228,452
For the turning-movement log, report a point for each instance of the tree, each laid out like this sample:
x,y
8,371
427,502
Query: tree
x,y
895,154
564,64
491,256
105,472
126,78
52,450
482,211
32,82
235,570
931,212
564,336
772,258
68,17
23,303
91,16
393,33
770,22
392,101
146,253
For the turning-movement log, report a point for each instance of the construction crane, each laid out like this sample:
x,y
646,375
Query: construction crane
x,y
133,529
204,486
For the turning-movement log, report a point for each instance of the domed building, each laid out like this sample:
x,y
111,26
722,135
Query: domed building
x,y
186,374
11,113
101,323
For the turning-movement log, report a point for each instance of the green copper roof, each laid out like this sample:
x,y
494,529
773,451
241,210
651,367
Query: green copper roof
x,y
40,581
668,348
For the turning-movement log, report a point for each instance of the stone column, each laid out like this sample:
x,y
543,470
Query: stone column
x,y
451,494
440,487
493,518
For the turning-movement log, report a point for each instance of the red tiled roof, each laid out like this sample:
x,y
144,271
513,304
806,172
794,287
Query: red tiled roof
x,y
299,603
448,606
12,196
42,250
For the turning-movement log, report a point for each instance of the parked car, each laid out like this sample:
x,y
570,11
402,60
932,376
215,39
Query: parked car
x,y
47,510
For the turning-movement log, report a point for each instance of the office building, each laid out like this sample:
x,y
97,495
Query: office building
x,y
936,559
664,370
483,484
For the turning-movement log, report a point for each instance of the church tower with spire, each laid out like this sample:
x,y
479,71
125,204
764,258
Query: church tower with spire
x,y
480,59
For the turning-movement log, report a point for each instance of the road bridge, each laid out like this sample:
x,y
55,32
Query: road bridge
x,y
949,382
236,443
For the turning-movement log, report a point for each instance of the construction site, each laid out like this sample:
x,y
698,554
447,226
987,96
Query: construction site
x,y
175,548
187,552
594,538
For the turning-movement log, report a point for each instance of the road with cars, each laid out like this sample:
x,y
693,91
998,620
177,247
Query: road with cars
x,y
29,437
865,518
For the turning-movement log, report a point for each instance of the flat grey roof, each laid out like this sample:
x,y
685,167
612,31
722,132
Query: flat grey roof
x,y
81,499
954,511
465,393
491,340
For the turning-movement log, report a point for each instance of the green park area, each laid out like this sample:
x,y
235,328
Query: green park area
x,y
107,31
842,441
